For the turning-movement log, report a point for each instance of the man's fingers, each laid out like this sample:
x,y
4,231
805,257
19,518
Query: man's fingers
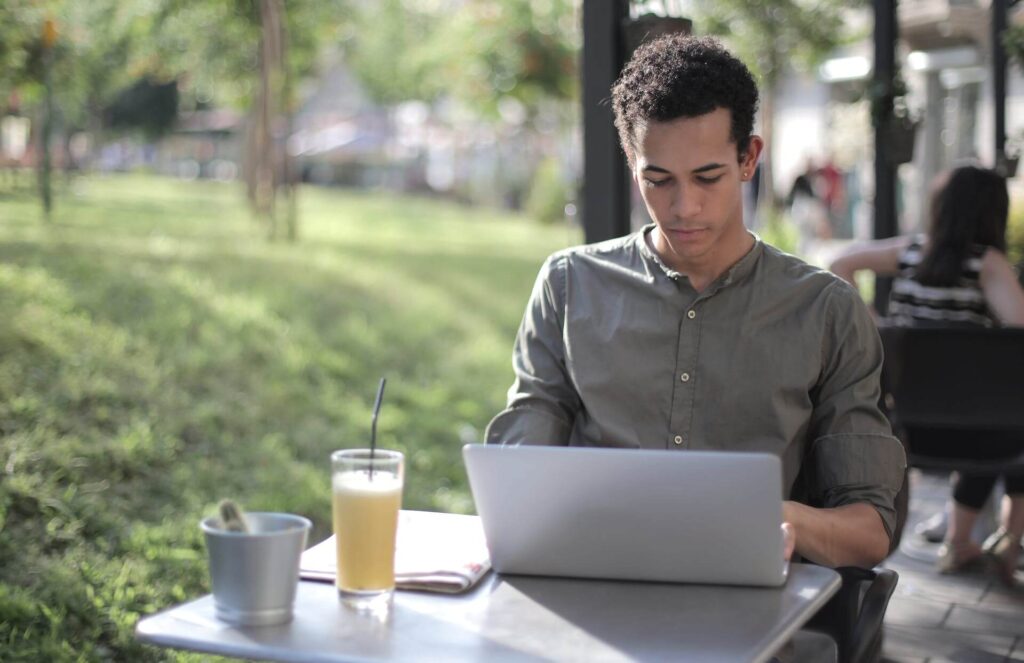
x,y
788,540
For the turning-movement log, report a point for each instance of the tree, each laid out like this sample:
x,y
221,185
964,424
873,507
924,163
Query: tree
x,y
19,28
243,53
249,54
482,53
67,82
507,68
146,105
770,35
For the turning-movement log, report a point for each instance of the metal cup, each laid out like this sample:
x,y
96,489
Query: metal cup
x,y
255,574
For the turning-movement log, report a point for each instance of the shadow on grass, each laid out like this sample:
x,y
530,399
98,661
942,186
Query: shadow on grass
x,y
157,354
250,340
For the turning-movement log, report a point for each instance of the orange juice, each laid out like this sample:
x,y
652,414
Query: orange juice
x,y
365,522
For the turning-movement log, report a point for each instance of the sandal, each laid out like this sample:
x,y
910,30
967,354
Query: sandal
x,y
957,557
933,530
1002,552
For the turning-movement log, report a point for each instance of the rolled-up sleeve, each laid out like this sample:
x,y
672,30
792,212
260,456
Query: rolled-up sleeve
x,y
542,402
855,455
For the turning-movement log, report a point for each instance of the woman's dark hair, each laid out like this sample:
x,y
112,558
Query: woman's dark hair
x,y
680,76
969,209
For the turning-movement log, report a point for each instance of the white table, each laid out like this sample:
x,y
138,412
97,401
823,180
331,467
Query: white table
x,y
519,618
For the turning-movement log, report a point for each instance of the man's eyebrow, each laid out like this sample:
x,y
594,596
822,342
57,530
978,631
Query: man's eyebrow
x,y
703,169
710,166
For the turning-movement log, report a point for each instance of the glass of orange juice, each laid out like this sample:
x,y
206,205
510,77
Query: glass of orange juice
x,y
367,494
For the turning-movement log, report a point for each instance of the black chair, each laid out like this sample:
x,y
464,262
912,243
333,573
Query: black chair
x,y
853,616
937,383
960,383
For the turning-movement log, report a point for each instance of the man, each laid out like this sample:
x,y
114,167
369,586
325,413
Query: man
x,y
693,334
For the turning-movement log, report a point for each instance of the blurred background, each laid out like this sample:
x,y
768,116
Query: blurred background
x,y
222,221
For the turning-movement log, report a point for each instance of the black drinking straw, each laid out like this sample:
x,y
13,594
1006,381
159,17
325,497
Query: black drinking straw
x,y
373,427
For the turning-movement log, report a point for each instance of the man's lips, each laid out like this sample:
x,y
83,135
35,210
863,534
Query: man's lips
x,y
685,233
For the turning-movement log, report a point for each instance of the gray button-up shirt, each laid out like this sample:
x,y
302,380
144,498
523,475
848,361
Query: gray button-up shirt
x,y
618,350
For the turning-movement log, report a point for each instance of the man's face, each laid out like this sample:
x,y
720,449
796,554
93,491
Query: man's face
x,y
690,175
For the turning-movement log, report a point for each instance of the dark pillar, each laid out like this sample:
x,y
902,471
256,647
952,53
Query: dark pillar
x,y
886,34
605,176
999,78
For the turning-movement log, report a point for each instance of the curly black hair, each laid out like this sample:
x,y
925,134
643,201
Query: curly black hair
x,y
681,76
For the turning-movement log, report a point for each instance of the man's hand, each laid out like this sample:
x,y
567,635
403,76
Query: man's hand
x,y
850,535
788,540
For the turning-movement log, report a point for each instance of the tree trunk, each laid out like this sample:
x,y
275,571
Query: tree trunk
x,y
45,134
249,158
767,184
268,168
264,161
288,170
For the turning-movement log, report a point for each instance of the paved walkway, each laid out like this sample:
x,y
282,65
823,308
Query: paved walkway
x,y
933,617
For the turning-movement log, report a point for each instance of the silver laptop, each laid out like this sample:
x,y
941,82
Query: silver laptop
x,y
630,514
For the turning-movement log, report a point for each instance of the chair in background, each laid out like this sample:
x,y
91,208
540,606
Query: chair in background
x,y
969,380
966,380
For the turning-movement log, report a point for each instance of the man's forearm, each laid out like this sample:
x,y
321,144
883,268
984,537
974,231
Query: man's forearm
x,y
850,535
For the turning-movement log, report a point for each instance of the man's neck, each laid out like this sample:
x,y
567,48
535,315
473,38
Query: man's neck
x,y
703,270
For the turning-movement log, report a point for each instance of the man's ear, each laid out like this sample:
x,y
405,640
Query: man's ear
x,y
749,161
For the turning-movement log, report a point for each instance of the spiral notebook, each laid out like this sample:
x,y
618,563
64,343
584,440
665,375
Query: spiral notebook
x,y
434,552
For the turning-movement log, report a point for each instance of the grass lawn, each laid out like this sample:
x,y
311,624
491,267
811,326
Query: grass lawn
x,y
156,355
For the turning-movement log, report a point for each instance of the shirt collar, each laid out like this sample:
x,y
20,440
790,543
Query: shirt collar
x,y
739,270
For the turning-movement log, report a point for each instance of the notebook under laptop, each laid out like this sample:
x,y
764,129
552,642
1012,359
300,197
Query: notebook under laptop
x,y
629,514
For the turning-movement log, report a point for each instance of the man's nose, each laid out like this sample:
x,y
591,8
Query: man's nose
x,y
687,202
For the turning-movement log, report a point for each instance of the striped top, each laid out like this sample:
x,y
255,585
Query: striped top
x,y
914,305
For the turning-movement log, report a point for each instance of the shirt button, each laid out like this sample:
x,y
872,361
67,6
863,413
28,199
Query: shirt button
x,y
685,377
691,314
678,439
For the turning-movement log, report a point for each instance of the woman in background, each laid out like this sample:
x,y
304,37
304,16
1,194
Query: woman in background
x,y
958,275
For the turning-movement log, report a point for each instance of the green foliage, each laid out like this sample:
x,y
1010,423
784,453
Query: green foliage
x,y
1015,233
521,49
211,46
146,105
93,57
383,50
547,197
478,55
1013,42
103,46
779,231
155,357
20,29
770,34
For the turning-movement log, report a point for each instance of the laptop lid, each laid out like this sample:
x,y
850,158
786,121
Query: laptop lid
x,y
630,514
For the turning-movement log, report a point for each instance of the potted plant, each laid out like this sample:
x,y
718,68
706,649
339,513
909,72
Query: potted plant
x,y
901,127
1006,163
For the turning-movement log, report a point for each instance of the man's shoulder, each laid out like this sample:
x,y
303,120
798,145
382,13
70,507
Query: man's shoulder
x,y
787,272
620,252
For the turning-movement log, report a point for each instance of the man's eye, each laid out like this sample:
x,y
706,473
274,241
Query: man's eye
x,y
708,180
654,183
